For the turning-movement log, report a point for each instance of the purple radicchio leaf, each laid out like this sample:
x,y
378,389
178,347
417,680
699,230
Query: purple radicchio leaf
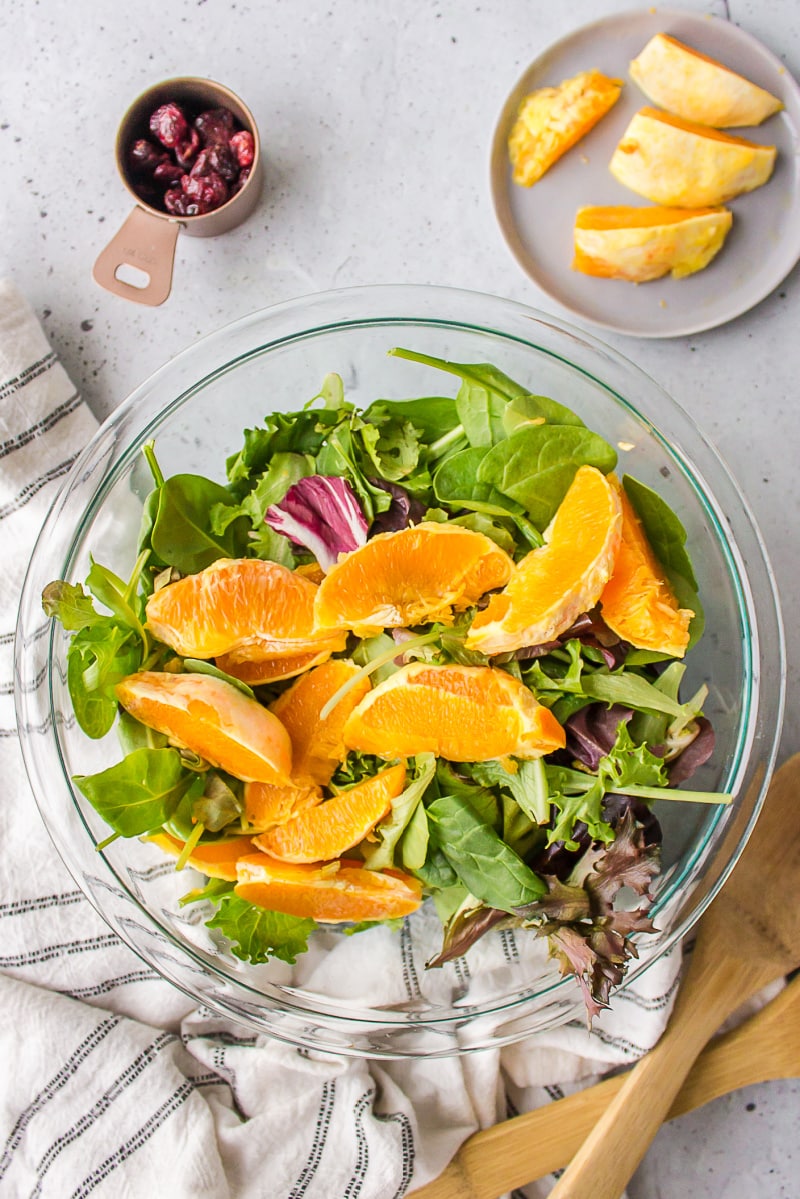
x,y
592,731
320,514
403,511
696,753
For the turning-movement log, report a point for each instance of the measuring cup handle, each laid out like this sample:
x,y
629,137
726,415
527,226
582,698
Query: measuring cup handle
x,y
145,243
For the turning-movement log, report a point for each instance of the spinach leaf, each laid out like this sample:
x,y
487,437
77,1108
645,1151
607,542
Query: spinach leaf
x,y
133,734
491,527
182,534
487,867
436,872
536,465
537,410
456,483
667,538
256,935
528,785
480,798
139,793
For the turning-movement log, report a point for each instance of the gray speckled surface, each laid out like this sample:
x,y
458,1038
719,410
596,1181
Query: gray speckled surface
x,y
376,120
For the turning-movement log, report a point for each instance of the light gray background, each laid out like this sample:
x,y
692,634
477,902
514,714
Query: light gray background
x,y
376,118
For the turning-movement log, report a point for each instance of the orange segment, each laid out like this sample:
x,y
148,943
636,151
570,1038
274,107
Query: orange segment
x,y
409,577
330,829
317,745
331,894
637,602
464,713
266,804
235,604
217,859
552,585
214,719
255,671
552,119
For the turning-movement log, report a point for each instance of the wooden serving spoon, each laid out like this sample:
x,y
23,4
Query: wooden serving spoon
x,y
513,1153
749,936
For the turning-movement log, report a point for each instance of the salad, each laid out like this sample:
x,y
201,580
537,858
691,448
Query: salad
x,y
431,650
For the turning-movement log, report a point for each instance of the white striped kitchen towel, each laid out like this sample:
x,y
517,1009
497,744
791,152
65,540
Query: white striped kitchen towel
x,y
114,1083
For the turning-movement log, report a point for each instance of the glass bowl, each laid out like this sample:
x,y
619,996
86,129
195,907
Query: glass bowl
x,y
370,994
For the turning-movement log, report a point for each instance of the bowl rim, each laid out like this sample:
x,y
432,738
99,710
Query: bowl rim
x,y
407,297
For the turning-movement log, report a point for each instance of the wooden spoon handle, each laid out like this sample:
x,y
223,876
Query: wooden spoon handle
x,y
512,1153
607,1159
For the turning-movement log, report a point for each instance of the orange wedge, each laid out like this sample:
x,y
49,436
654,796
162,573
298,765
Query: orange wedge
x,y
554,584
698,88
464,713
685,165
639,244
332,894
214,719
552,119
256,671
331,828
266,804
409,577
216,859
317,745
240,606
637,602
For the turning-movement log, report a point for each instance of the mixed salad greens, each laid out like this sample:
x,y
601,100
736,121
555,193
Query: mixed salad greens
x,y
545,844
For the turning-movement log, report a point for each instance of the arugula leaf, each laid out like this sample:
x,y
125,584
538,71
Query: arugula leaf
x,y
487,867
256,934
182,535
380,854
535,466
139,793
69,604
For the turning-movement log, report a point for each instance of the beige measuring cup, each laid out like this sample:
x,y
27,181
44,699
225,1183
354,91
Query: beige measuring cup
x,y
144,248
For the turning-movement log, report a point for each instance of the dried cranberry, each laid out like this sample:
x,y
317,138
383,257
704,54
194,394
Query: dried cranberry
x,y
179,204
168,173
186,151
144,158
208,191
243,146
244,175
169,125
216,159
215,126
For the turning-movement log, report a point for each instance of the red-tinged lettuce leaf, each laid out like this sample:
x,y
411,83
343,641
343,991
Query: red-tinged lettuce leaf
x,y
463,930
592,732
321,514
694,755
403,510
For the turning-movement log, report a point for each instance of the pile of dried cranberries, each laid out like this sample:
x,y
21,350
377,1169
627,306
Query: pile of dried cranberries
x,y
194,166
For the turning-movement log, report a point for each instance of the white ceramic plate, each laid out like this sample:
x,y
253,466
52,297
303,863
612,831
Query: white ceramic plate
x,y
537,222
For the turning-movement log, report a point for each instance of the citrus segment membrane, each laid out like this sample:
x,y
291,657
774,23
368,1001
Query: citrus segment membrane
x,y
415,575
463,713
552,119
213,719
317,745
640,244
679,163
331,894
243,606
691,85
554,584
329,829
637,602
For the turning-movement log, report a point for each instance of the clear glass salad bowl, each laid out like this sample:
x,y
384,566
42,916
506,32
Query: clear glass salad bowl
x,y
371,994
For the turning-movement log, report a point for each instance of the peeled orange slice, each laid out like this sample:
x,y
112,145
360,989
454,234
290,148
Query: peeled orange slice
x,y
216,859
266,804
256,671
676,162
463,713
552,119
639,244
334,893
329,829
317,745
554,584
214,719
637,602
698,88
244,606
415,575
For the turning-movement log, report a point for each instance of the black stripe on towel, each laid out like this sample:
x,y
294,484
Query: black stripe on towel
x,y
35,486
359,1174
33,371
327,1103
41,427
